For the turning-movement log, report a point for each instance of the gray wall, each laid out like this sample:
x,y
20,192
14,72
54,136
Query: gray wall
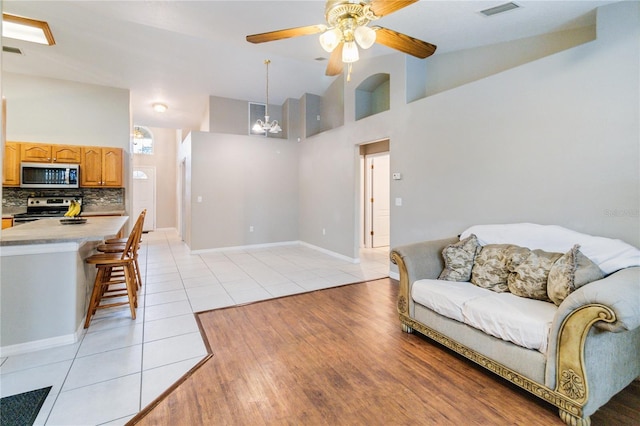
x,y
551,141
244,181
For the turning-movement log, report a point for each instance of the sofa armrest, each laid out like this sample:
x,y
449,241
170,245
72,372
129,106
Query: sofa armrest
x,y
619,291
417,261
611,304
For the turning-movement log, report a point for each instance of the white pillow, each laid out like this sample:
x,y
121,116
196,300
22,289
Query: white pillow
x,y
609,254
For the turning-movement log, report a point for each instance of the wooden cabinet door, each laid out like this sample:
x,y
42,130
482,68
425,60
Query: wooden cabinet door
x,y
11,164
66,154
91,166
112,167
35,152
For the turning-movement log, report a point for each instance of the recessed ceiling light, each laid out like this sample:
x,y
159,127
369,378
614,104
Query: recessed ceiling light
x,y
158,107
26,29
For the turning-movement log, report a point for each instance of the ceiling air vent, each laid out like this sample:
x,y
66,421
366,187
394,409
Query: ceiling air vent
x,y
10,49
499,9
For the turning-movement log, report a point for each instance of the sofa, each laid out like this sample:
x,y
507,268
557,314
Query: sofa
x,y
554,311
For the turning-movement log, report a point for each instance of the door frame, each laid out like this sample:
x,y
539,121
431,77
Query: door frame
x,y
380,146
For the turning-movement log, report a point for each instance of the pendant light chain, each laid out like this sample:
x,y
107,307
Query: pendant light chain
x,y
266,108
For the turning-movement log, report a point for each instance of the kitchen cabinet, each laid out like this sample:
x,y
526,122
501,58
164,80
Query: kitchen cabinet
x,y
11,164
45,153
7,222
101,167
69,154
35,152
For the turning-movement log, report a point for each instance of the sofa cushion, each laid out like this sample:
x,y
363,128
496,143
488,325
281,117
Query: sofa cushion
x,y
458,259
529,278
445,297
525,322
494,263
570,272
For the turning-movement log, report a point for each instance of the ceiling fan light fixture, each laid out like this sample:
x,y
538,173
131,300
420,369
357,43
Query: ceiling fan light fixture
x,y
350,52
330,39
365,36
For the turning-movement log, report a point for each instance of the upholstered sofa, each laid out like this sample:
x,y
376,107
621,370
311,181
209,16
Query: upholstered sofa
x,y
575,351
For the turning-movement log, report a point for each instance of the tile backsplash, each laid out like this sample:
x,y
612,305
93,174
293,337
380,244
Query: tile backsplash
x,y
91,197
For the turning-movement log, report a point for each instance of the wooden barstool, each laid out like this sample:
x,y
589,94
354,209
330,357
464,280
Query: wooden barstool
x,y
117,245
115,278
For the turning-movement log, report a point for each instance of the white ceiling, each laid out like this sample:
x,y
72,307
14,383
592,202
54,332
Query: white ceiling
x,y
181,52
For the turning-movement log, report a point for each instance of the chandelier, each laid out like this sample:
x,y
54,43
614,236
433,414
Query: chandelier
x,y
267,126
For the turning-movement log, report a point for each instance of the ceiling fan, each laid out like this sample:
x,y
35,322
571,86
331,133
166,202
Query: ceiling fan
x,y
347,28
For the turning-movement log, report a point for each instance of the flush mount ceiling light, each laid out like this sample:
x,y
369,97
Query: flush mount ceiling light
x,y
159,107
267,126
26,29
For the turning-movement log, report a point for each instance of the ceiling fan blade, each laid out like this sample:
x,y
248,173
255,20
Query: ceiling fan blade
x,y
334,67
385,7
288,33
404,43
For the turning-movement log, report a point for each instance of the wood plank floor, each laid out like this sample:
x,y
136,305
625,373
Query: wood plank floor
x,y
338,357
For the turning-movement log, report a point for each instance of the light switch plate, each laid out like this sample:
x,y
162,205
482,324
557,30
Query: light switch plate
x,y
397,176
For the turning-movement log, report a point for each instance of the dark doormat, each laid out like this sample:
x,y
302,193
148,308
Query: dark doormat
x,y
23,408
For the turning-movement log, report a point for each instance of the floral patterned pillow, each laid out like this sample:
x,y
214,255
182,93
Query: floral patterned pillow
x,y
569,273
529,278
458,259
494,263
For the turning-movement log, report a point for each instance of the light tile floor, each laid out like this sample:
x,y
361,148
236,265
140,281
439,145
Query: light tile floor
x,y
120,365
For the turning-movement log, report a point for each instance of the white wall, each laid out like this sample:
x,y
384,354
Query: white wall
x,y
552,141
244,181
64,112
164,161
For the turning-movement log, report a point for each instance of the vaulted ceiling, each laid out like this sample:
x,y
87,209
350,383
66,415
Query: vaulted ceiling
x,y
182,52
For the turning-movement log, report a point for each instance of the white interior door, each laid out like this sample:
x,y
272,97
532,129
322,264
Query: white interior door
x,y
380,213
144,195
377,192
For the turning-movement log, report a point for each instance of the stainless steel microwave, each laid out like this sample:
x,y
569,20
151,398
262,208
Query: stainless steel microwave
x,y
49,175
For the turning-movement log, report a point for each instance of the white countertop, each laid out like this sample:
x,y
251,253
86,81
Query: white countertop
x,y
48,231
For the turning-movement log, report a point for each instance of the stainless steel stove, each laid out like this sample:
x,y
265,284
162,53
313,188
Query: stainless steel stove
x,y
42,207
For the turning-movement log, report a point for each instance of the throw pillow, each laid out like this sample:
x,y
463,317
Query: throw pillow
x,y
458,259
529,278
491,267
569,273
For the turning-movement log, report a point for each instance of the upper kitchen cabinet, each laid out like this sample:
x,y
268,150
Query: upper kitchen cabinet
x,y
101,167
11,164
66,154
44,153
35,152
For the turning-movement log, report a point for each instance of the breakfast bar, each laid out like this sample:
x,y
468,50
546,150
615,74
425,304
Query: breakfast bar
x,y
45,283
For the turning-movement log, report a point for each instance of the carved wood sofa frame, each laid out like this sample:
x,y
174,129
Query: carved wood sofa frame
x,y
571,392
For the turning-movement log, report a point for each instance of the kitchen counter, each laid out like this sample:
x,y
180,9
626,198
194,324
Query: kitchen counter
x,y
50,230
45,282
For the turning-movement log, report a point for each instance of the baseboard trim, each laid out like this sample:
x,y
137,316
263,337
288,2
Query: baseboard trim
x,y
278,244
251,246
331,253
37,345
394,275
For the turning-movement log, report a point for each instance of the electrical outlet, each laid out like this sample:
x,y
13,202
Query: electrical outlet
x,y
324,231
251,228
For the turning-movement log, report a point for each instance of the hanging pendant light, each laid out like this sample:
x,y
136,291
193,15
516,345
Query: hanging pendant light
x,y
267,126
